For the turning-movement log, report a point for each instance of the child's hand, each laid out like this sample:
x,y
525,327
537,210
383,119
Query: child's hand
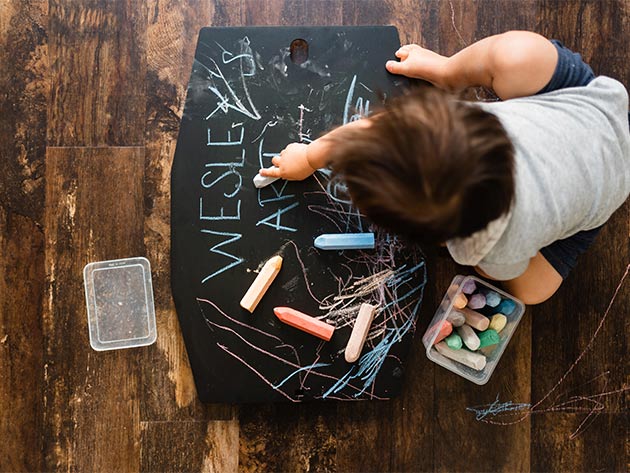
x,y
292,164
420,63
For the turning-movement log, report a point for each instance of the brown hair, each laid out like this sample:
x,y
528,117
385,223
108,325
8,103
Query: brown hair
x,y
429,167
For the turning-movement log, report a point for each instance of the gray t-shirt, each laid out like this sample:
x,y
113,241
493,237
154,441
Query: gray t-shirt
x,y
572,171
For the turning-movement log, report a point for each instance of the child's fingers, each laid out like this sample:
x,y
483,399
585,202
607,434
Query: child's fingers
x,y
276,160
270,172
402,53
395,67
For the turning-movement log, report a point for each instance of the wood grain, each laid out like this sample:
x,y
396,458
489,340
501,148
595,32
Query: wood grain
x,y
98,67
93,213
102,84
23,101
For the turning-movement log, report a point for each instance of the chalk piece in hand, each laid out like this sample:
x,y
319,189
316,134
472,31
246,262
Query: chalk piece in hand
x,y
359,332
469,337
475,361
345,241
456,318
477,301
497,322
487,338
262,282
304,322
475,319
263,181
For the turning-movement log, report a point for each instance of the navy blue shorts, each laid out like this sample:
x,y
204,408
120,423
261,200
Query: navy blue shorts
x,y
570,71
563,254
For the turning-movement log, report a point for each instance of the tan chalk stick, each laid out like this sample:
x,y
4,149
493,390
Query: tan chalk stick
x,y
262,282
474,360
469,337
359,332
475,319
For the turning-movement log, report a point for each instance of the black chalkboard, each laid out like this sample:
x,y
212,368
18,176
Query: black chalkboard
x,y
246,101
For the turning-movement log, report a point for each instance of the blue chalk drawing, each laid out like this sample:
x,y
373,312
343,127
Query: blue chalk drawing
x,y
215,249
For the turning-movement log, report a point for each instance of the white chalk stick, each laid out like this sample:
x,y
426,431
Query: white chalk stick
x,y
469,337
456,318
263,181
465,357
359,332
262,282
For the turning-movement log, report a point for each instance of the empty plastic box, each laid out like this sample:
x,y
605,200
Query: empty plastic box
x,y
119,297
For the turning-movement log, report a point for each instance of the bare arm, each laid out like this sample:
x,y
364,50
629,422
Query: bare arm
x,y
513,64
298,160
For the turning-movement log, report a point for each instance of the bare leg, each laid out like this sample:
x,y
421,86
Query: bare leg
x,y
538,283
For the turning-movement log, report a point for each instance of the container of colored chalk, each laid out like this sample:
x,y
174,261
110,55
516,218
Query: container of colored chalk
x,y
472,327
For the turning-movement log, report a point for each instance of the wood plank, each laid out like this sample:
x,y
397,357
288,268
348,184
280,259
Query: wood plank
x,y
25,89
24,85
565,325
97,57
94,213
22,285
190,446
576,314
288,437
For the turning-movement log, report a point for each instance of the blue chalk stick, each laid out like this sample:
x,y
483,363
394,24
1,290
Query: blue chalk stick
x,y
345,241
492,298
506,307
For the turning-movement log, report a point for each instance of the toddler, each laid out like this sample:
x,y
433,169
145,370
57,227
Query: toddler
x,y
517,188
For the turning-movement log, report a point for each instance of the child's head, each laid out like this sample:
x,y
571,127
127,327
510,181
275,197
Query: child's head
x,y
430,167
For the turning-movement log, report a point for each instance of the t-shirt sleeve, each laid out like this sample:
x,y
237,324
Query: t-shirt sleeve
x,y
571,70
504,272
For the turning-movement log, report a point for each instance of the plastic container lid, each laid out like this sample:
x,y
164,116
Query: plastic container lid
x,y
119,297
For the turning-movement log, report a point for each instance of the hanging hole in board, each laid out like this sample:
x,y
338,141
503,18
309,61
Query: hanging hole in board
x,y
299,51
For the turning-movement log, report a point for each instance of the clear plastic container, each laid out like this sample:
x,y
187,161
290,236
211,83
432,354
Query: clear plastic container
x,y
119,297
444,310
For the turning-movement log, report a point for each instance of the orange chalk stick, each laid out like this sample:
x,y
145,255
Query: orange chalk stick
x,y
304,322
445,330
460,300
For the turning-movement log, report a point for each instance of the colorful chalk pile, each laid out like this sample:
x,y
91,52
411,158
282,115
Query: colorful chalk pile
x,y
473,322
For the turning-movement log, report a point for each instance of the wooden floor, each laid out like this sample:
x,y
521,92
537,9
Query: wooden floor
x,y
91,94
